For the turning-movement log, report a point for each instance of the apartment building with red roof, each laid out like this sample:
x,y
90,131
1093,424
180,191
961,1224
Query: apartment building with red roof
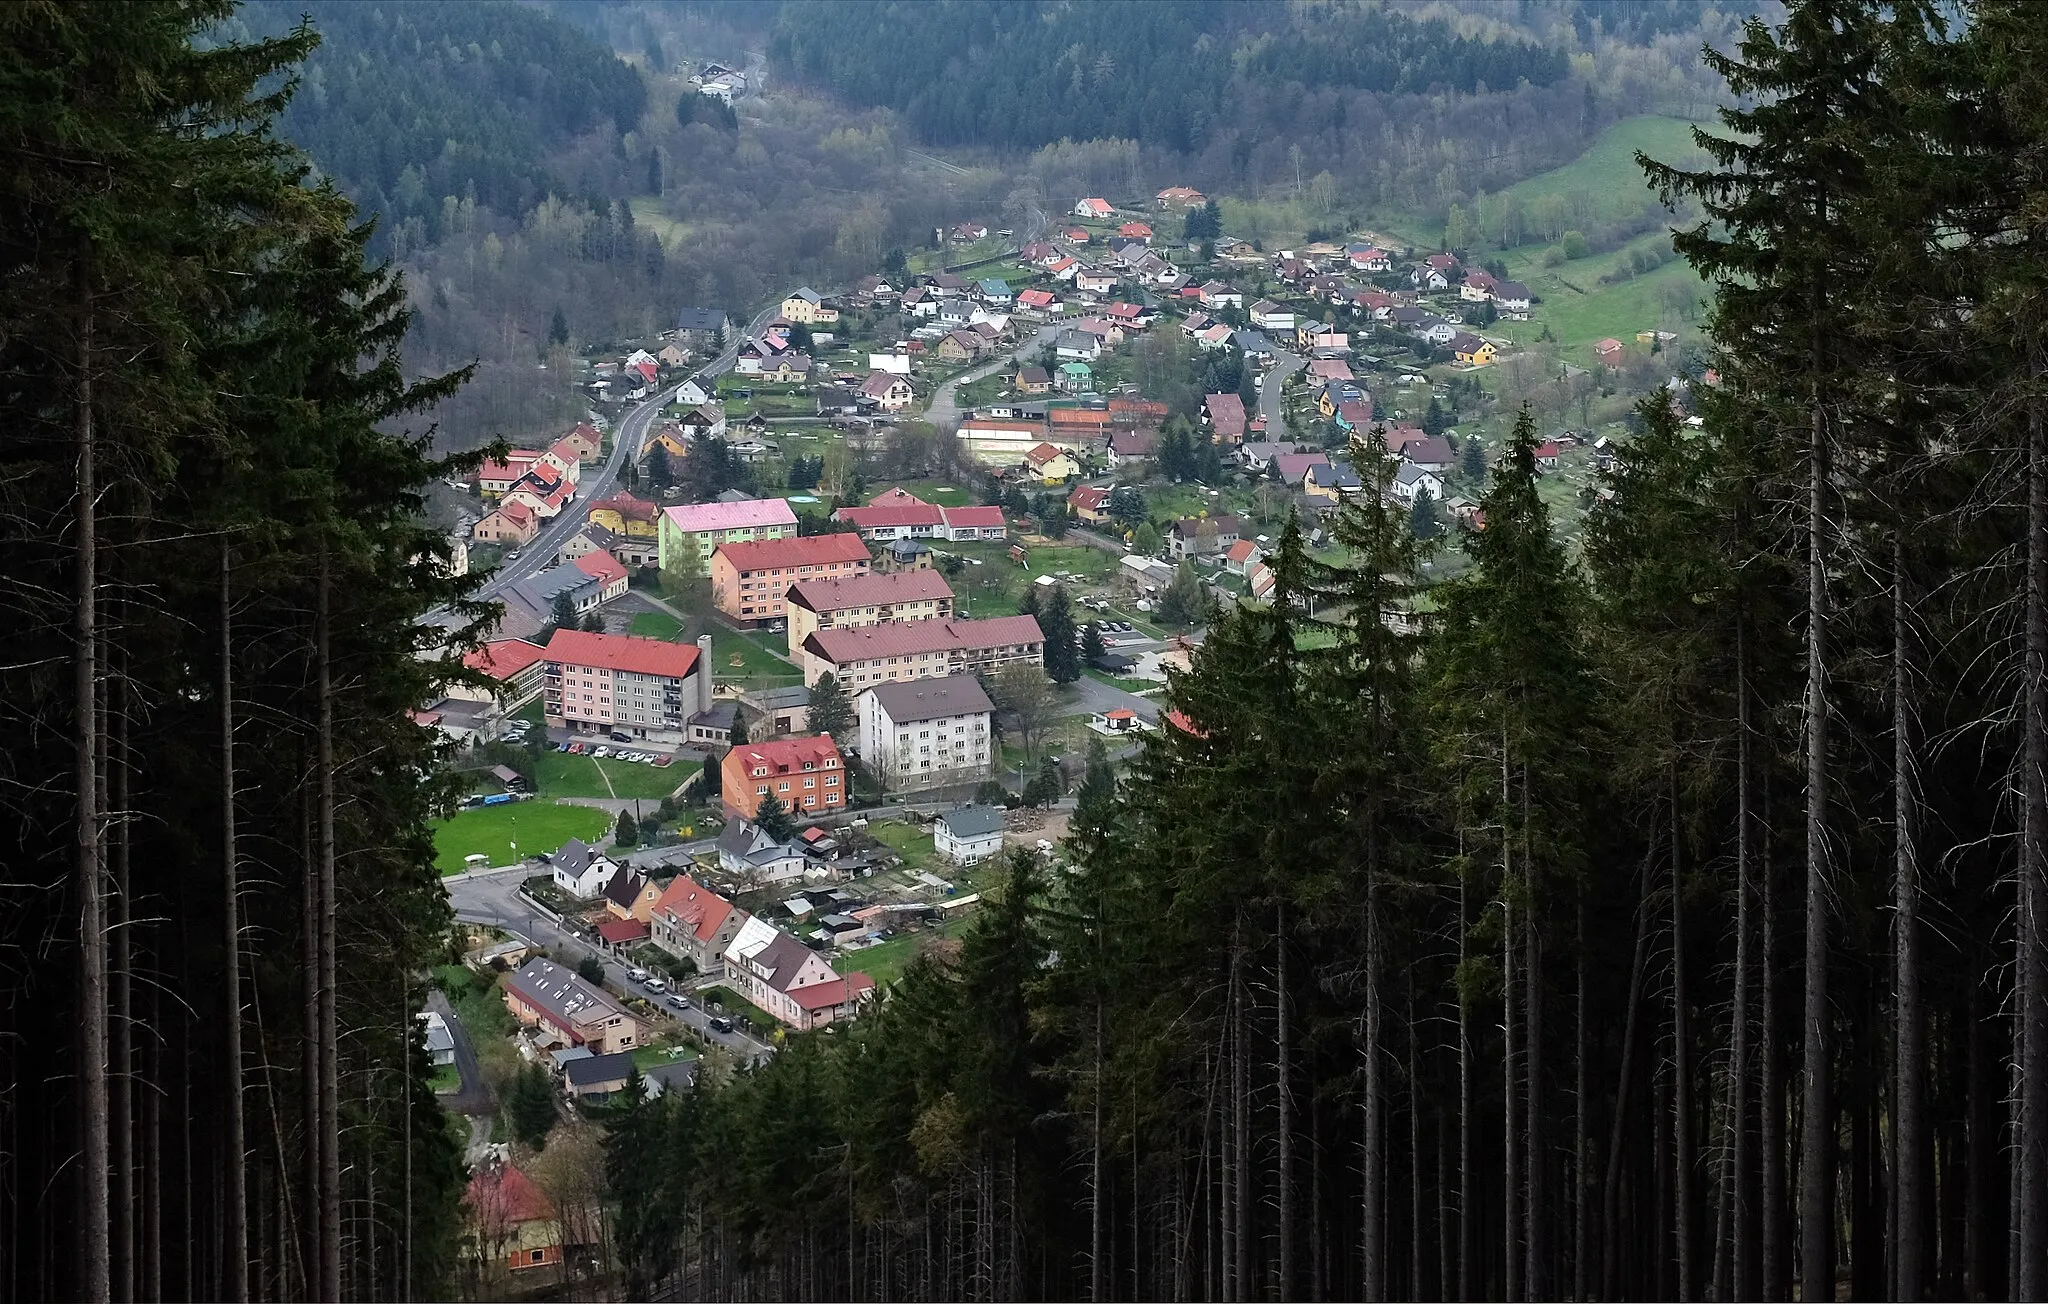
x,y
807,775
605,683
921,649
872,599
749,580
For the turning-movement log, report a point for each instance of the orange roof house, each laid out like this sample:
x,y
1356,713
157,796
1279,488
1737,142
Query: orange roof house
x,y
511,1219
749,580
807,775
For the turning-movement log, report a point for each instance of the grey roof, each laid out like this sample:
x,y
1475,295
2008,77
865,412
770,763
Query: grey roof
x,y
574,857
1251,342
973,821
720,716
680,1075
910,700
699,319
1410,473
559,991
439,1038
740,839
599,1069
778,699
563,1057
624,888
904,548
1337,475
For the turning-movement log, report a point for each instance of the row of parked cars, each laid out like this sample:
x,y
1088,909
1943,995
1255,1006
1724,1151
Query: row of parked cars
x,y
604,750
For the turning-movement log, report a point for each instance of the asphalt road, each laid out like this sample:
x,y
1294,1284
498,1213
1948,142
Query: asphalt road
x,y
944,409
1270,406
494,899
539,553
475,1095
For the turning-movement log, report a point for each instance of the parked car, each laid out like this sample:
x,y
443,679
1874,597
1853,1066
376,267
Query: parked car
x,y
678,1001
719,1023
637,974
601,752
618,737
656,985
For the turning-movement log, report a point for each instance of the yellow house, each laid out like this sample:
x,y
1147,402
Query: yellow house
x,y
1326,404
667,437
626,516
807,307
1052,465
1471,349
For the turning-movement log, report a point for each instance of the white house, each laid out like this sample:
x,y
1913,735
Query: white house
x,y
923,733
581,870
744,850
969,834
1092,207
1411,480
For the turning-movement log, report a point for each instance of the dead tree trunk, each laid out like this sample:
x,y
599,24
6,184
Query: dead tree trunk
x,y
1910,1223
236,1229
1817,1120
2030,1273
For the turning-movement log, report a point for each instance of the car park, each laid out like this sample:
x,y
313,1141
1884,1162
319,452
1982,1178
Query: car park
x,y
563,747
601,752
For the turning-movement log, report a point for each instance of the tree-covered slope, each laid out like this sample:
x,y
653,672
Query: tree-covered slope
x,y
1168,74
407,103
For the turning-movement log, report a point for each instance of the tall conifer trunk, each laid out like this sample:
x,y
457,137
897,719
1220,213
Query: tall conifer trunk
x,y
2030,1273
1910,1224
95,1264
1817,1119
329,1136
236,1230
1681,1062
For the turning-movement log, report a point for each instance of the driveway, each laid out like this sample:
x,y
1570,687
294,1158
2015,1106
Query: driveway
x,y
494,899
1270,406
1092,696
474,1097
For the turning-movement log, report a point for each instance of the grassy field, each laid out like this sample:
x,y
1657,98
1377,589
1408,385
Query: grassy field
x,y
565,774
886,961
650,215
994,587
754,658
659,1053
1608,171
535,825
657,624
913,844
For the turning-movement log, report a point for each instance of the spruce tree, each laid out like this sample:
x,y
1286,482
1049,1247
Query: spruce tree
x,y
773,818
830,711
1062,650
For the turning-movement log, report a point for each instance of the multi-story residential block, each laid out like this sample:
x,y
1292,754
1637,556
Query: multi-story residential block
x,y
603,683
921,649
749,580
553,998
704,526
807,775
926,733
812,605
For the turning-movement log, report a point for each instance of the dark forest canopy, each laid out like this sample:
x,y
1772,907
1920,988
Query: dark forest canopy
x,y
406,102
1167,74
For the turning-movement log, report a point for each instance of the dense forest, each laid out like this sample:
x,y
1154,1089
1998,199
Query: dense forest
x,y
1662,919
217,899
1171,75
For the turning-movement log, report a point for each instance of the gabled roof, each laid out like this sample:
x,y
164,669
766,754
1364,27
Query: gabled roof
x,y
501,1194
973,821
910,638
1226,413
792,755
1042,454
624,888
628,507
1088,497
1293,466
505,657
1194,527
600,566
695,908
797,550
1334,475
643,656
873,590
599,1069
565,998
890,516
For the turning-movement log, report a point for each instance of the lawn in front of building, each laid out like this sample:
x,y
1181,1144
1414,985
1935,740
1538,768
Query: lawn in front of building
x,y
491,830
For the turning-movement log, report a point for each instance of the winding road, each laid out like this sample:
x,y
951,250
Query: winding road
x,y
944,409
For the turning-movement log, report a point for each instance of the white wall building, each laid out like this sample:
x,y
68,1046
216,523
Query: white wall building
x,y
969,834
922,733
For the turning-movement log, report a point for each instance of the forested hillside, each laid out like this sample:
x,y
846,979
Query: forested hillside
x,y
1171,75
1663,920
216,894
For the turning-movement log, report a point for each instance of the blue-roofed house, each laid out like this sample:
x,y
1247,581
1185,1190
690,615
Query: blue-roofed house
x,y
994,290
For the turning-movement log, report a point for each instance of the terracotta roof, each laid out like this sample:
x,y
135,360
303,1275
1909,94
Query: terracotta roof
x,y
1088,496
870,590
646,656
1242,550
895,516
505,657
703,910
751,512
783,755
971,517
502,1194
616,931
802,550
833,991
896,496
1042,454
1084,418
840,646
1226,413
601,566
